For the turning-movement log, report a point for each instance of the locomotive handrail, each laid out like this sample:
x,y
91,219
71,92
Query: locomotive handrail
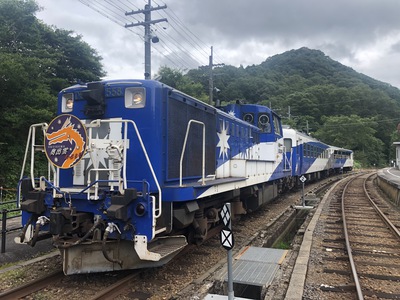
x,y
157,213
97,181
203,152
32,134
54,187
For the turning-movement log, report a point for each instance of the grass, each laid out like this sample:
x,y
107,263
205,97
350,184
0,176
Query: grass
x,y
282,245
8,202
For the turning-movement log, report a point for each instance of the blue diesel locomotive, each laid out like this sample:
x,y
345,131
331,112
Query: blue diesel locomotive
x,y
137,169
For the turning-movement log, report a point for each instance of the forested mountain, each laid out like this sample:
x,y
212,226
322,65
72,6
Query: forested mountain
x,y
315,94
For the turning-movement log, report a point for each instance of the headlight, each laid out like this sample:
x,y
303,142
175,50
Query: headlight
x,y
140,209
135,97
67,102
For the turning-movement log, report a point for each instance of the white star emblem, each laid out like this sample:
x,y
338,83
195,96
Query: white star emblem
x,y
223,141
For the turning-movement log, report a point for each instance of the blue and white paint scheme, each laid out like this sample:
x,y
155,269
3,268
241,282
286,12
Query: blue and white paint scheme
x,y
313,158
150,172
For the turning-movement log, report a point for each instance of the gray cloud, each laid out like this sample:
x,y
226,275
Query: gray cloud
x,y
363,34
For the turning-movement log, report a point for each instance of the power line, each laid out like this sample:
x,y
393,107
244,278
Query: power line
x,y
187,52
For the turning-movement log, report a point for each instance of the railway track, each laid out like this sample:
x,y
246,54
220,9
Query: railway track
x,y
182,277
33,286
360,249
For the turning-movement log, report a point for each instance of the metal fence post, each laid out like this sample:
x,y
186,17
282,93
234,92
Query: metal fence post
x,y
3,230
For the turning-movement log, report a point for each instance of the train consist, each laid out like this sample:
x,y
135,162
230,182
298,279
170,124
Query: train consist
x,y
137,169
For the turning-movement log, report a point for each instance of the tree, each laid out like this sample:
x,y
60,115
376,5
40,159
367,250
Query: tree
x,y
174,78
356,133
36,62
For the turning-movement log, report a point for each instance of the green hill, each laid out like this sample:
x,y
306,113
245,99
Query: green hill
x,y
317,94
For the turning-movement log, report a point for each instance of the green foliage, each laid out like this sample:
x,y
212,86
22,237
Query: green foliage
x,y
176,79
356,133
315,88
36,62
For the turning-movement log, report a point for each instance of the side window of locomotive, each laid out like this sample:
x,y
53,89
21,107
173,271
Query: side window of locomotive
x,y
248,117
263,123
276,125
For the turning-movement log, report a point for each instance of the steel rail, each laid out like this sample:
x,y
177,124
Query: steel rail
x,y
32,287
115,289
380,213
348,247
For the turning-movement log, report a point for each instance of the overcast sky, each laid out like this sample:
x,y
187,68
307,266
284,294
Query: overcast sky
x,y
362,34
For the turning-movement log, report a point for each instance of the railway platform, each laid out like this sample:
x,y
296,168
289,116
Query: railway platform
x,y
388,180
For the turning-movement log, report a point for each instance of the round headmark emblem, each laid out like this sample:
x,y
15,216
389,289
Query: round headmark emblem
x,y
65,141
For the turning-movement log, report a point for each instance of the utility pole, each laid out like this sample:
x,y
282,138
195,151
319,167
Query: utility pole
x,y
211,78
148,37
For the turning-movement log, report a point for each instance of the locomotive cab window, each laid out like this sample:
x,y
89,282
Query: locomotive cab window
x,y
263,123
67,102
248,117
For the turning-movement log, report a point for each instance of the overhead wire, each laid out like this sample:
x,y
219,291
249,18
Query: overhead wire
x,y
108,16
195,41
186,53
